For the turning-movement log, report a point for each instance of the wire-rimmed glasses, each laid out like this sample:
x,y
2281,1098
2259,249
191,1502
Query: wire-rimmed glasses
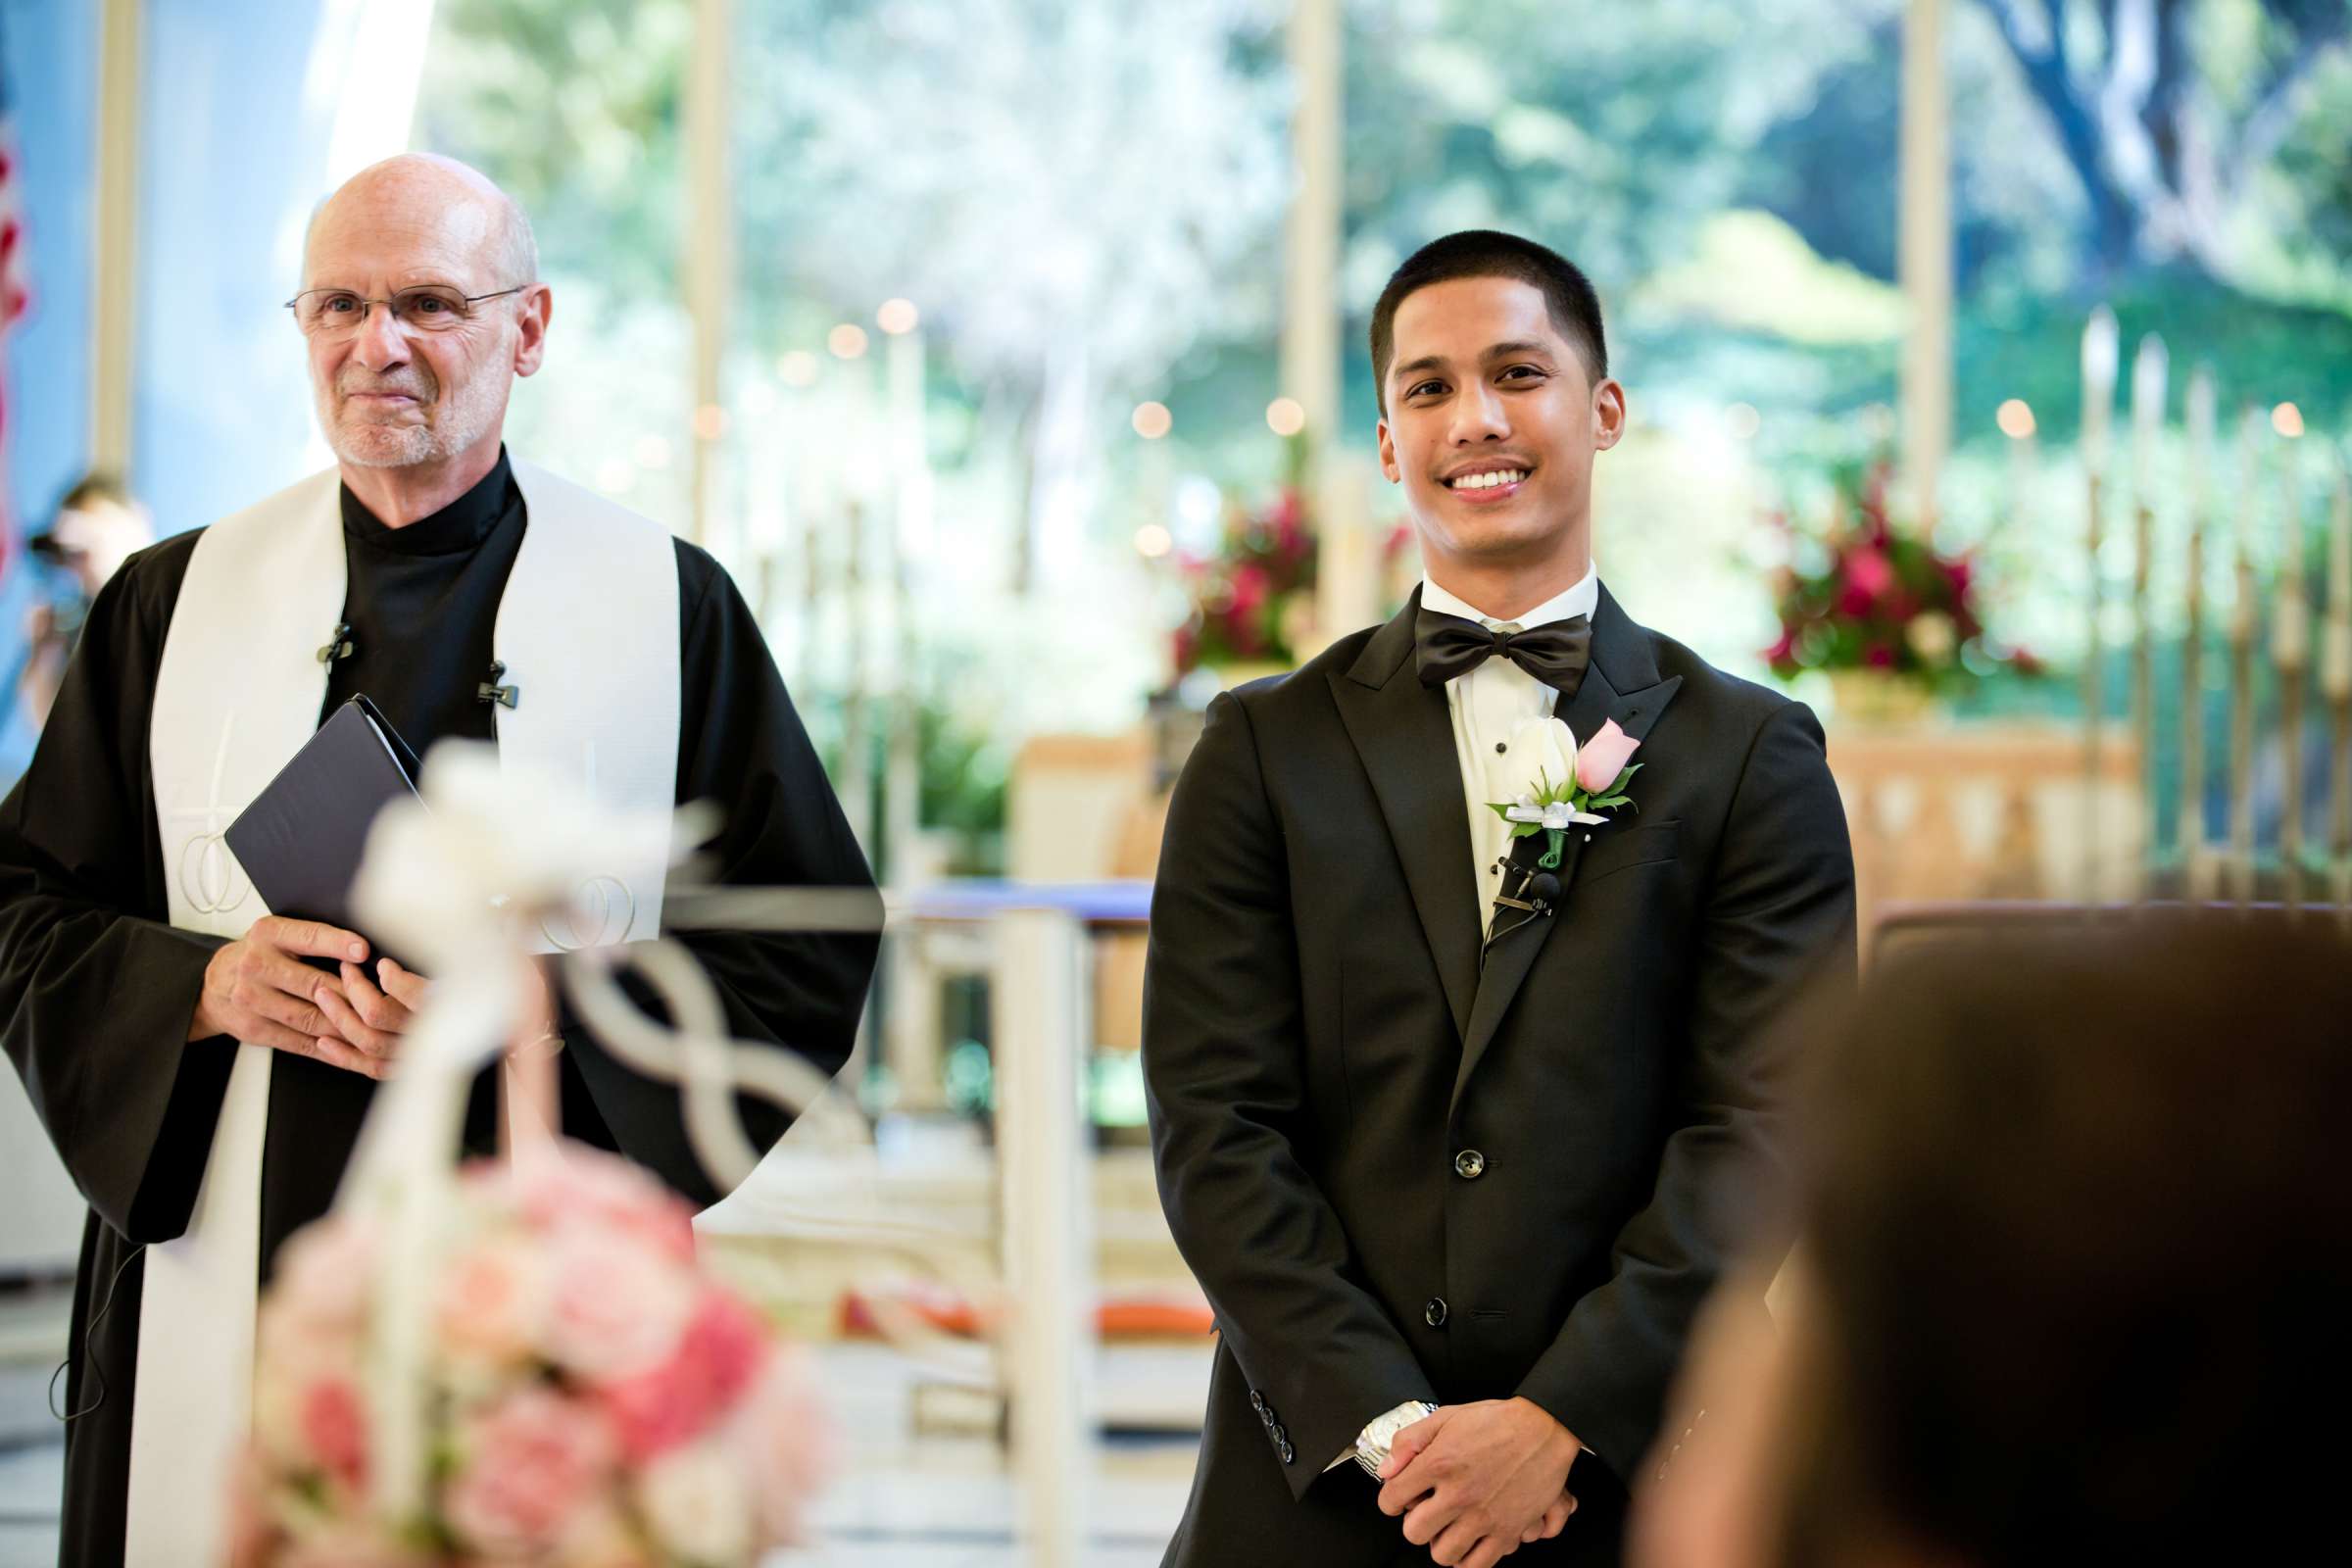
x,y
429,308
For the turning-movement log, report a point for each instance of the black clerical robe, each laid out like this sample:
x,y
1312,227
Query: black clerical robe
x,y
97,987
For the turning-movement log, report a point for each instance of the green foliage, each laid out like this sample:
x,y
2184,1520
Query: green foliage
x,y
573,107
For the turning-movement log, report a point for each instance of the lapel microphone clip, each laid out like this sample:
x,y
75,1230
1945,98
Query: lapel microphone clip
x,y
490,691
1541,890
339,644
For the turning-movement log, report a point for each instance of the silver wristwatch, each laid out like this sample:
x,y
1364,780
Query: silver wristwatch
x,y
1373,1443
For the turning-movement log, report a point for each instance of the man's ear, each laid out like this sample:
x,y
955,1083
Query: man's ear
x,y
1388,452
530,338
1609,415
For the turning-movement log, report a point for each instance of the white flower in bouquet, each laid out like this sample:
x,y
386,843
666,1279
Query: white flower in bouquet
x,y
1932,636
696,1505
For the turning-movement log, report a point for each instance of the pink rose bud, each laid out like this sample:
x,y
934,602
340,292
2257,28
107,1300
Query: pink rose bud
x,y
1602,758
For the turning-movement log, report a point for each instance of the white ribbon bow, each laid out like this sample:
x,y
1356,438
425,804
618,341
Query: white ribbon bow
x,y
1556,815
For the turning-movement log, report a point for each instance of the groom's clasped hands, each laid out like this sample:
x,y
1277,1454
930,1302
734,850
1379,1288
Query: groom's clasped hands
x,y
1474,1483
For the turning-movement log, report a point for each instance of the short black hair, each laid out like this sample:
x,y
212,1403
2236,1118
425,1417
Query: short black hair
x,y
1488,253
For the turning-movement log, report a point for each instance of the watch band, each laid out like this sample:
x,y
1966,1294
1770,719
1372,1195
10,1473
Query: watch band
x,y
1372,1444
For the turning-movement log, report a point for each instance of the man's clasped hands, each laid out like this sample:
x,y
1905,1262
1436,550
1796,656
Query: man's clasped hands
x,y
1474,1483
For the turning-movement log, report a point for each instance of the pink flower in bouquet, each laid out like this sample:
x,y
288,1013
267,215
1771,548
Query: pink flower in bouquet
x,y
602,1536
526,1467
716,1361
1878,655
602,1191
1602,758
323,1278
787,1437
334,1429
1783,647
491,1300
347,1544
614,1308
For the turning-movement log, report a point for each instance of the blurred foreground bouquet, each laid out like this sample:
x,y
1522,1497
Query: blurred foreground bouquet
x,y
595,1399
1869,594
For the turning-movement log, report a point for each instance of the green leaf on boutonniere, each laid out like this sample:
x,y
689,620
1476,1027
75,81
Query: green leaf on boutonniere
x,y
1608,800
1520,830
1618,788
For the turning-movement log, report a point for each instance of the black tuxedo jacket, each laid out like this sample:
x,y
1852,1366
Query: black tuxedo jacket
x,y
1404,1167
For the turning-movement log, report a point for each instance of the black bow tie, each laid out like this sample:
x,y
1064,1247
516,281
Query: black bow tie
x,y
1555,654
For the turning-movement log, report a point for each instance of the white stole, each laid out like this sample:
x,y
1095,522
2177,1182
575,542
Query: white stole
x,y
588,630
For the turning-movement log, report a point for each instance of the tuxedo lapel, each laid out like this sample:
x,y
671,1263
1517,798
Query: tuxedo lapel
x,y
1405,735
1623,685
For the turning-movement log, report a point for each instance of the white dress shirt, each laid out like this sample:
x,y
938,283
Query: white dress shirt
x,y
1487,706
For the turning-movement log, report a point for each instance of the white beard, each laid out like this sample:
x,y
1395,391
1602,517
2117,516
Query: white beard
x,y
472,413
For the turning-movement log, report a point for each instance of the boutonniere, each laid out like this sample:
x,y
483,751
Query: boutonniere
x,y
1572,785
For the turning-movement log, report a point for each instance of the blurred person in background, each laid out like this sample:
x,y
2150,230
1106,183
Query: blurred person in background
x,y
98,527
2075,1276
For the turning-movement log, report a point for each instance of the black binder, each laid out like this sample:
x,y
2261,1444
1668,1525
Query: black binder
x,y
301,839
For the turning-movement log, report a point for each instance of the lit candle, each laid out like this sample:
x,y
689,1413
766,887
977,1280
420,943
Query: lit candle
x,y
2290,650
2200,410
2336,680
2148,368
2148,371
2100,351
2241,663
2014,419
2335,668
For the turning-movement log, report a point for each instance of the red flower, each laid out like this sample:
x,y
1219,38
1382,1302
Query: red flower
x,y
1251,586
1957,571
1866,576
1878,657
335,1426
716,1358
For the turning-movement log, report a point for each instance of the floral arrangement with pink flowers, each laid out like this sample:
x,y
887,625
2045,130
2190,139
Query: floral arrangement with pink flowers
x,y
1869,593
1254,601
596,1399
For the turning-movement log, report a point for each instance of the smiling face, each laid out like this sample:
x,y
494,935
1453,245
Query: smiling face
x,y
392,396
1493,420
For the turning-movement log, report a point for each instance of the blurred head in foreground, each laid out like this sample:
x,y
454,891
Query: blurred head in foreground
x,y
2077,1229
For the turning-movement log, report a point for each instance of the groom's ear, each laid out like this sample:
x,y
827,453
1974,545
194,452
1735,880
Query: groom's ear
x,y
1608,414
1388,452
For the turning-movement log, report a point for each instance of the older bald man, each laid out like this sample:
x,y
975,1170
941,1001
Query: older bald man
x,y
202,1083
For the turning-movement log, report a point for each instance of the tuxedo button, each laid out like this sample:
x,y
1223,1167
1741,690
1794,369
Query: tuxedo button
x,y
1282,1439
1288,1453
1257,1402
1469,1164
1266,1419
1433,1314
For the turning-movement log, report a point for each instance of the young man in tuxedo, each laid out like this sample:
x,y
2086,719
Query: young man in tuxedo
x,y
1437,1125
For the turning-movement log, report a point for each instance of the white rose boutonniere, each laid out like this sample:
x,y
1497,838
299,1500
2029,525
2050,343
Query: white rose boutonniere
x,y
1571,786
